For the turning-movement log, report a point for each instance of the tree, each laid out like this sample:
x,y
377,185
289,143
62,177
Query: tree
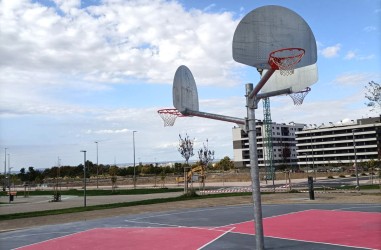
x,y
225,164
113,172
373,95
205,157
186,151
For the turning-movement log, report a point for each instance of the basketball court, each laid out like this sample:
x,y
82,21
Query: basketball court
x,y
293,226
279,44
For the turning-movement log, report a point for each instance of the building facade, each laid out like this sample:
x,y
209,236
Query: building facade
x,y
283,145
339,145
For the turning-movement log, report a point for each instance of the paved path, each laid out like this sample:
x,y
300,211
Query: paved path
x,y
40,203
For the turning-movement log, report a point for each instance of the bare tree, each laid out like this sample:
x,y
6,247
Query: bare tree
x,y
186,151
205,156
373,95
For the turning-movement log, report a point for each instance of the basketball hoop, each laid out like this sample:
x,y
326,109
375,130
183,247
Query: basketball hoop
x,y
298,97
169,116
285,60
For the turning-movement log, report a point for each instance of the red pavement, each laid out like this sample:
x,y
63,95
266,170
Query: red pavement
x,y
344,228
132,238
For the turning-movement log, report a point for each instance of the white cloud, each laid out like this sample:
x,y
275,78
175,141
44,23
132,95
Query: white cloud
x,y
354,79
109,131
354,55
331,51
370,28
350,55
112,42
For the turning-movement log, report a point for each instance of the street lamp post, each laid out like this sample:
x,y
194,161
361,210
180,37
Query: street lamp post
x,y
9,173
84,177
313,160
356,169
133,143
5,169
97,163
305,154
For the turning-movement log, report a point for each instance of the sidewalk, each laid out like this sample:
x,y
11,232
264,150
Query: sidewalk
x,y
41,203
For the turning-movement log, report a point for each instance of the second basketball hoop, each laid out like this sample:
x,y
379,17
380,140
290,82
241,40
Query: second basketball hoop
x,y
169,116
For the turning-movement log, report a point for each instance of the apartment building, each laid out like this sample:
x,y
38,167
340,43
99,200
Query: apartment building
x,y
337,145
283,144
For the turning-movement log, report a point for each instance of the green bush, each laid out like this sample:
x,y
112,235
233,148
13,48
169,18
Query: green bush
x,y
342,176
294,191
330,177
353,175
191,193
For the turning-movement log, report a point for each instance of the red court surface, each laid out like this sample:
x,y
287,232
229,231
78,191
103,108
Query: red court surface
x,y
343,228
132,238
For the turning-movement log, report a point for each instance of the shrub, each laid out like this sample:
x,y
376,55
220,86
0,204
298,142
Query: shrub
x,y
330,177
293,191
342,176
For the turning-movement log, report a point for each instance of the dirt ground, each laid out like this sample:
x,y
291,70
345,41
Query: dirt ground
x,y
276,198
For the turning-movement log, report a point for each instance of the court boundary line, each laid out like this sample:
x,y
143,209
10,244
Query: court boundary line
x,y
60,237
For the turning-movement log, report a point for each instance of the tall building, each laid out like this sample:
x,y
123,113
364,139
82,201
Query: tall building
x,y
283,144
339,144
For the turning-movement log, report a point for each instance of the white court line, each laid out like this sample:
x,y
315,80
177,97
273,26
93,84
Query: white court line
x,y
154,223
191,211
274,216
54,238
27,235
163,225
363,206
231,224
318,242
210,242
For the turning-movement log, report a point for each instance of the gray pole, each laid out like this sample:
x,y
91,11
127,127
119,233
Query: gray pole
x,y
251,105
5,169
356,169
133,142
9,172
84,177
97,163
313,160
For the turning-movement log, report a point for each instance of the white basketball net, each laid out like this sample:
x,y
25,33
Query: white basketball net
x,y
169,116
285,60
298,97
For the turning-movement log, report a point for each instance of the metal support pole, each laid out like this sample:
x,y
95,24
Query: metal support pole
x,y
356,169
255,180
5,169
84,177
313,156
97,164
133,142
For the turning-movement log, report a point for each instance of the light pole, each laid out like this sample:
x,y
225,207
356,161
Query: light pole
x,y
97,163
9,173
313,160
356,170
306,162
5,169
133,143
84,177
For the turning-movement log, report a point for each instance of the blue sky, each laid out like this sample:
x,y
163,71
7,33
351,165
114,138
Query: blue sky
x,y
75,72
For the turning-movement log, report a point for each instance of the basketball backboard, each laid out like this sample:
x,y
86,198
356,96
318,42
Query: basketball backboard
x,y
184,91
301,79
270,28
